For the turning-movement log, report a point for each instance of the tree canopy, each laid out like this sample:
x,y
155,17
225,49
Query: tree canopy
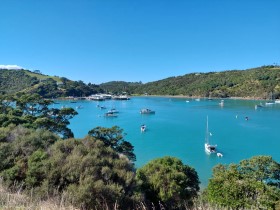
x,y
87,173
113,137
168,180
32,111
253,183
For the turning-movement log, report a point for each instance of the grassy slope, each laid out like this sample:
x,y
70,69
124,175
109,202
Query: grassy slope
x,y
41,76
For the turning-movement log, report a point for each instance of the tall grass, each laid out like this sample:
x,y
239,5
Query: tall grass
x,y
19,201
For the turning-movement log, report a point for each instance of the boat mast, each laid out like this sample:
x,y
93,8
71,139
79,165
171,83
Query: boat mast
x,y
207,132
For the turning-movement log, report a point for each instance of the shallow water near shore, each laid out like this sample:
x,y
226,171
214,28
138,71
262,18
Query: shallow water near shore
x,y
178,128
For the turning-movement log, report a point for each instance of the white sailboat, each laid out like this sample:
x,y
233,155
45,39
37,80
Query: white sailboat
x,y
208,147
271,102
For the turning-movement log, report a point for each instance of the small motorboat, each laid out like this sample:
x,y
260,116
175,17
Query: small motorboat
x,y
143,128
219,154
147,111
100,107
110,114
113,110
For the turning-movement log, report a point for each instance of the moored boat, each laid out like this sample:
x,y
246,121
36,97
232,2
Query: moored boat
x,y
110,114
222,103
259,106
101,107
143,128
147,111
270,102
113,110
219,154
208,147
121,97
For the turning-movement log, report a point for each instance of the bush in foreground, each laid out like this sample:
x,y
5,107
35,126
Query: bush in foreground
x,y
251,184
168,180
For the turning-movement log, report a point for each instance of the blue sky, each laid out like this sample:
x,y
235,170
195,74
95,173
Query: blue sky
x,y
138,40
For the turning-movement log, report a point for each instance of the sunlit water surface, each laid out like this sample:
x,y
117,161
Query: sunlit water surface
x,y
178,129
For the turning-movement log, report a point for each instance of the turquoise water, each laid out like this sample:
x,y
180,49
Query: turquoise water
x,y
178,129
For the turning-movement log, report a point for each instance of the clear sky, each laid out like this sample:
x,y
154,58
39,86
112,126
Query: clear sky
x,y
138,40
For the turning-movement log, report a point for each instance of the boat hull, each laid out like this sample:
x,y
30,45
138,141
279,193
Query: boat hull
x,y
210,148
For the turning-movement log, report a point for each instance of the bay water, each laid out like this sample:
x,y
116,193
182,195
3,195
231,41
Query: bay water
x,y
178,128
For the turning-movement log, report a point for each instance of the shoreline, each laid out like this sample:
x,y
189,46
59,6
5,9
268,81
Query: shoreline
x,y
177,96
199,97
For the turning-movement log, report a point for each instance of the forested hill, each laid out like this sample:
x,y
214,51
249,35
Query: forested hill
x,y
13,81
257,82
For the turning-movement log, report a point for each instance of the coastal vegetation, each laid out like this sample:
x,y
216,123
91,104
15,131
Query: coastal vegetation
x,y
33,111
40,157
25,81
168,180
251,184
261,83
254,83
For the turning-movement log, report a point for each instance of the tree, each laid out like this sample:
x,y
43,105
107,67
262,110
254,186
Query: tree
x,y
113,137
168,180
36,171
32,111
21,153
86,172
253,183
37,71
32,104
90,174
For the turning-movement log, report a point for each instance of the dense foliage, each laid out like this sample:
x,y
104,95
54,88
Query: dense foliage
x,y
32,111
17,146
86,172
113,137
251,184
90,174
97,172
170,181
78,88
119,87
13,81
258,83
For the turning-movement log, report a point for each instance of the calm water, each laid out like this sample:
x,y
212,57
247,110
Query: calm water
x,y
178,129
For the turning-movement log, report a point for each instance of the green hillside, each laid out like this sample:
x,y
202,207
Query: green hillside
x,y
13,81
254,83
40,76
118,87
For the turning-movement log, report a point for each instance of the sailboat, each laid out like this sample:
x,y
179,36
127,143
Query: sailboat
x,y
208,147
271,102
